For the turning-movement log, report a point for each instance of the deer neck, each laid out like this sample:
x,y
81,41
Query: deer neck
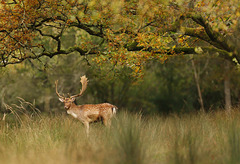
x,y
72,107
72,110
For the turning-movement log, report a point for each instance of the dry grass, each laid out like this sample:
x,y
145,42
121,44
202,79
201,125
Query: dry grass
x,y
132,139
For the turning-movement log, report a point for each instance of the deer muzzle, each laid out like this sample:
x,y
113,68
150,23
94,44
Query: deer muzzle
x,y
66,107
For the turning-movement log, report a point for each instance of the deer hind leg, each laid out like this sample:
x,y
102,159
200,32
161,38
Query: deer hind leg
x,y
107,117
107,122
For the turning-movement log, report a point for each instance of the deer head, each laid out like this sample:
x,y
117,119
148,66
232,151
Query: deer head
x,y
68,101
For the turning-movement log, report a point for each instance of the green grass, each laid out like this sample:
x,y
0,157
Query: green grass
x,y
132,139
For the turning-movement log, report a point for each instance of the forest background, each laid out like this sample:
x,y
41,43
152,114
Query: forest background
x,y
141,55
159,61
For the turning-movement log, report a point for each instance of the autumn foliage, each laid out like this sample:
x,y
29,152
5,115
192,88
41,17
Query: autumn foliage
x,y
121,32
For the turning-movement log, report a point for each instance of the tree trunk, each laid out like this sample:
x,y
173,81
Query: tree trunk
x,y
227,91
196,76
47,98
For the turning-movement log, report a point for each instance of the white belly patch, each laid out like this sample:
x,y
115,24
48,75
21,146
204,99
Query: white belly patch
x,y
73,114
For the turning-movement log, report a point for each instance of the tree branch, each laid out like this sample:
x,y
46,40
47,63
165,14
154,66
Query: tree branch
x,y
213,35
206,33
183,50
199,33
86,28
82,52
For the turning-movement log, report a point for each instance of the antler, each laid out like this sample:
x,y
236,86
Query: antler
x,y
84,82
56,83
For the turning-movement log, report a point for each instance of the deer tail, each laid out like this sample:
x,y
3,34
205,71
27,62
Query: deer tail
x,y
114,109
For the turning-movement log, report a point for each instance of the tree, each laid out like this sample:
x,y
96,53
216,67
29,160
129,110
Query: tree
x,y
124,33
118,28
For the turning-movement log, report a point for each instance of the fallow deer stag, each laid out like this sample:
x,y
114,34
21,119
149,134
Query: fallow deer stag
x,y
89,112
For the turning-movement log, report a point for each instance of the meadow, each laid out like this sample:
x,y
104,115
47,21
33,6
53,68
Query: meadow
x,y
132,139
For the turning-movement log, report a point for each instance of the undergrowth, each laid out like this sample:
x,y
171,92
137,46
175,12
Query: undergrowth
x,y
132,139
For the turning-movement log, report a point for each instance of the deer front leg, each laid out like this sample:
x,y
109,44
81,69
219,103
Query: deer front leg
x,y
86,124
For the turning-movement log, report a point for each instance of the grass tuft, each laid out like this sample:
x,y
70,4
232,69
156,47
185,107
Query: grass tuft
x,y
234,143
129,139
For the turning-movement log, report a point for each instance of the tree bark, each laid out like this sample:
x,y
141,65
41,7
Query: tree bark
x,y
47,98
196,76
227,91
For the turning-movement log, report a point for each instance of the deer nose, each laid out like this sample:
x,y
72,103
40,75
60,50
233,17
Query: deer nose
x,y
66,107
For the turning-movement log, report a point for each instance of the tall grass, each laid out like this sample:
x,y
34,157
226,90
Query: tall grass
x,y
234,143
132,138
129,140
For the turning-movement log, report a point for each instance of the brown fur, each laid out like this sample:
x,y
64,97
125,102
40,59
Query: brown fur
x,y
89,112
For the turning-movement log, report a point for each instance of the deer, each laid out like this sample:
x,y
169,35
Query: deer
x,y
87,113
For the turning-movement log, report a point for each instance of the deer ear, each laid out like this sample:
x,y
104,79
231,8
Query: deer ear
x,y
61,99
73,99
